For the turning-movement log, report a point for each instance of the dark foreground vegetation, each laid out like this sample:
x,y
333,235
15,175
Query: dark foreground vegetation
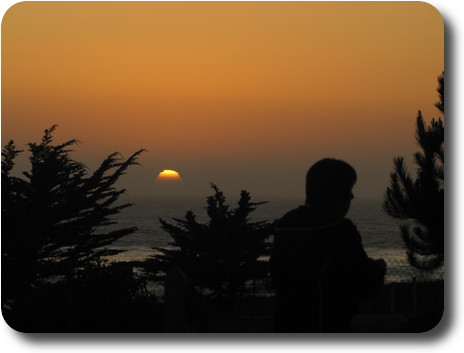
x,y
422,198
108,298
56,276
54,273
114,298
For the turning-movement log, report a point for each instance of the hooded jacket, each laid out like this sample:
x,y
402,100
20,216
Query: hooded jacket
x,y
320,272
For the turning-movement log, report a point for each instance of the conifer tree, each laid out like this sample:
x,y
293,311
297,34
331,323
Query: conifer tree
x,y
420,200
219,256
52,216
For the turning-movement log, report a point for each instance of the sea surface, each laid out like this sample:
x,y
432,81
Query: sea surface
x,y
380,233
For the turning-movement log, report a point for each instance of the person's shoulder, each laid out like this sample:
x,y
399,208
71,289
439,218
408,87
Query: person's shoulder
x,y
350,229
292,218
348,223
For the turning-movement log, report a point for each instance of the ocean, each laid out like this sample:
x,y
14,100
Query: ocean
x,y
380,232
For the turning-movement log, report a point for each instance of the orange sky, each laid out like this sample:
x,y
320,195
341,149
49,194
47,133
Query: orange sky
x,y
246,95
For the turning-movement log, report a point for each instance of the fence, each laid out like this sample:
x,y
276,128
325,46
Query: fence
x,y
409,300
398,271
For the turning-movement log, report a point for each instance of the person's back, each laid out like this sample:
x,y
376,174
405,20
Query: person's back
x,y
319,267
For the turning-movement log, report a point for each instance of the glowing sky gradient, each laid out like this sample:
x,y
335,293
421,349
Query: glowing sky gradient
x,y
245,95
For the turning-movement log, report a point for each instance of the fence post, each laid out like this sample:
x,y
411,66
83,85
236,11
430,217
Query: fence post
x,y
176,318
414,295
70,303
392,298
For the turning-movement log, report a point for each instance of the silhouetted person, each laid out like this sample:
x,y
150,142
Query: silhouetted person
x,y
319,267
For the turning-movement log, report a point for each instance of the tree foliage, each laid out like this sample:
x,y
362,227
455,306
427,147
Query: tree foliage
x,y
420,200
221,255
52,215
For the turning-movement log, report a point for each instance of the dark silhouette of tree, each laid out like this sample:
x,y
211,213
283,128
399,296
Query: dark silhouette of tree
x,y
52,218
420,200
219,256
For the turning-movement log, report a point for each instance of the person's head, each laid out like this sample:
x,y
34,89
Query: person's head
x,y
329,184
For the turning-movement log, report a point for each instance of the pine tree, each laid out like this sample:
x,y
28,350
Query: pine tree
x,y
420,200
219,256
52,217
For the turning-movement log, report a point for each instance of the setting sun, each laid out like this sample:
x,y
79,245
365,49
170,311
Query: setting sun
x,y
169,174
